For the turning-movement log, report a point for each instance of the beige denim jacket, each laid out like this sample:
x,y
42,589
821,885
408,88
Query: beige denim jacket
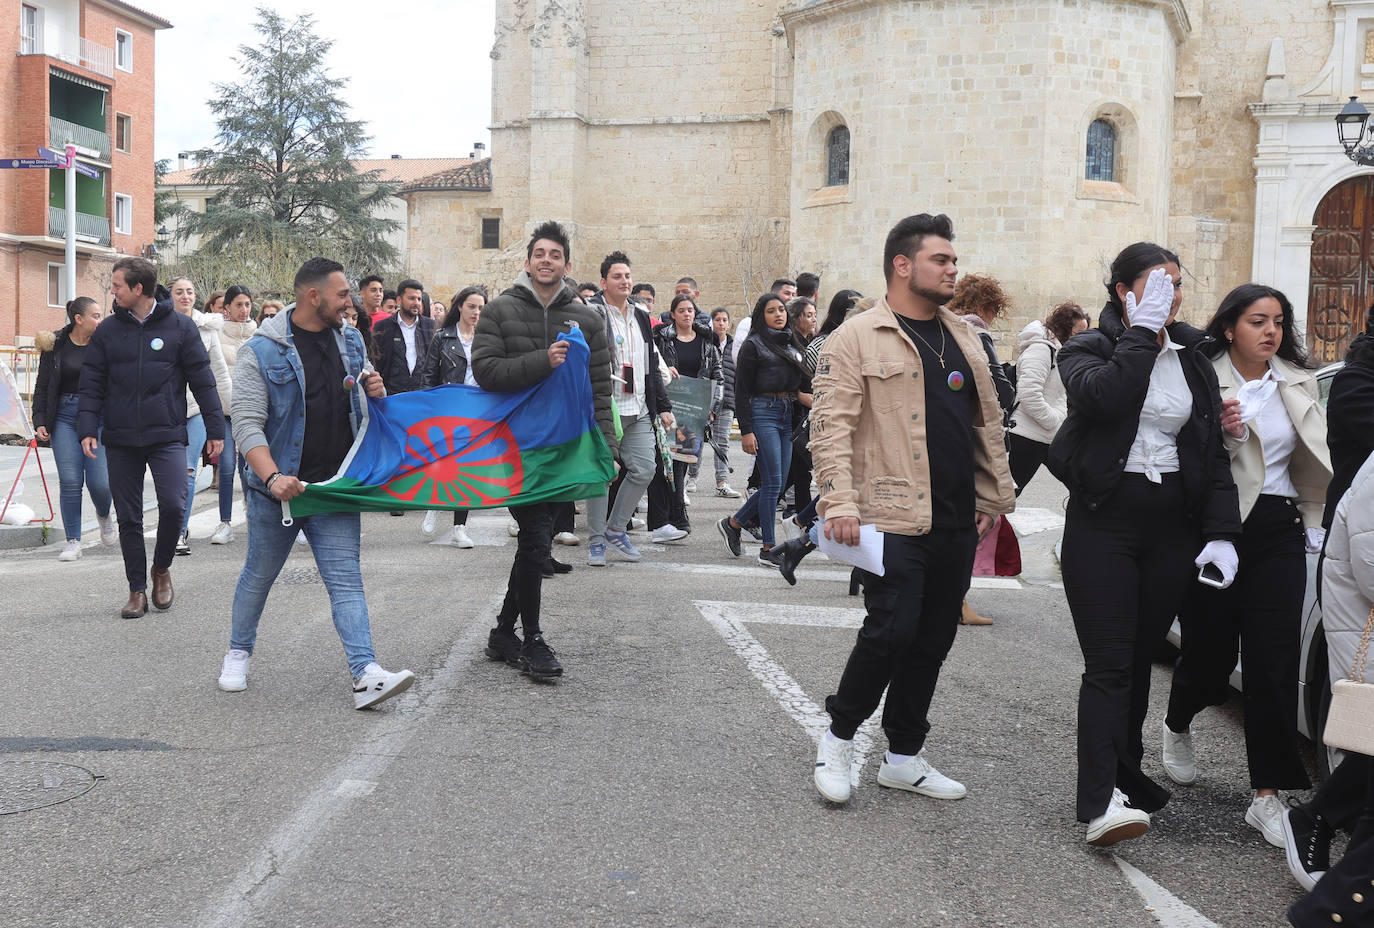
x,y
868,433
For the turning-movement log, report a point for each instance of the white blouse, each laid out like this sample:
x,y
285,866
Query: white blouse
x,y
1278,437
1168,405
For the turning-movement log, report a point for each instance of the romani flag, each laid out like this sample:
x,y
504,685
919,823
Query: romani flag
x,y
459,447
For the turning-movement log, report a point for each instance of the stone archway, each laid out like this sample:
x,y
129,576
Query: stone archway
x,y
1341,283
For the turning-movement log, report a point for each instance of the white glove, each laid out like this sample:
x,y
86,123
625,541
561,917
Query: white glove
x,y
1315,538
1155,302
1223,555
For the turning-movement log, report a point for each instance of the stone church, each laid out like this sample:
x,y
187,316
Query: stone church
x,y
740,140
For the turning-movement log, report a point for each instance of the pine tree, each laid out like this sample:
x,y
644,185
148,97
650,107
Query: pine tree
x,y
284,158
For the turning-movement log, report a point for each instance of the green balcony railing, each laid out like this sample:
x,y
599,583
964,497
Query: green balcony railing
x,y
90,228
60,132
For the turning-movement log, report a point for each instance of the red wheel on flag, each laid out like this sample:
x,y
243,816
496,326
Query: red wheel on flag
x,y
456,461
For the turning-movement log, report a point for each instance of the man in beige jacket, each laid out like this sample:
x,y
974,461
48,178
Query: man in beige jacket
x,y
906,435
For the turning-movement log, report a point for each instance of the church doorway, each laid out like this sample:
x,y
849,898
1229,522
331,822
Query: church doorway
x,y
1342,279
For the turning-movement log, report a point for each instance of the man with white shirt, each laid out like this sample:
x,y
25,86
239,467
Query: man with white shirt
x,y
399,343
638,396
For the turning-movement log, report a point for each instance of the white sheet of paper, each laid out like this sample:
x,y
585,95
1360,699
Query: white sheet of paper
x,y
867,554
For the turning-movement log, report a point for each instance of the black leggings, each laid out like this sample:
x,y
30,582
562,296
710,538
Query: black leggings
x,y
1025,456
1126,568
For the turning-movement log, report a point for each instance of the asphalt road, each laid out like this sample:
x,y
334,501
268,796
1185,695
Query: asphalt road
x,y
665,780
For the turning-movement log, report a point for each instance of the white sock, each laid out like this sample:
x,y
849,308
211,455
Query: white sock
x,y
897,760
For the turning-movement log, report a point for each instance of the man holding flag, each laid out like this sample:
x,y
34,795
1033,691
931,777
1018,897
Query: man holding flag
x,y
518,345
297,406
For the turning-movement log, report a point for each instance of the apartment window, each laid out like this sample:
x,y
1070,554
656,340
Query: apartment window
x,y
57,285
30,38
124,50
491,233
123,132
123,213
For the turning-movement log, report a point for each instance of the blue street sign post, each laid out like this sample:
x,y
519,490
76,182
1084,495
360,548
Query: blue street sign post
x,y
60,160
30,163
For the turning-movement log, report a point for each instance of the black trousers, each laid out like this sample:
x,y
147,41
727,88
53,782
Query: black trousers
x,y
126,466
666,504
913,615
1025,456
1126,569
564,515
533,549
799,478
1260,617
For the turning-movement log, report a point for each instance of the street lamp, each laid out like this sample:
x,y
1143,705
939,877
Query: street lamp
x,y
163,236
1350,128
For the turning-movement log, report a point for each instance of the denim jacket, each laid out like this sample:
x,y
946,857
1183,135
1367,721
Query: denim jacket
x,y
269,393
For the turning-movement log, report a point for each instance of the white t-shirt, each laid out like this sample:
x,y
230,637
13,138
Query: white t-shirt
x,y
470,379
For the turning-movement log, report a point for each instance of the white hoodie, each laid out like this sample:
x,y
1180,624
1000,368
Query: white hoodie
x,y
210,325
1041,401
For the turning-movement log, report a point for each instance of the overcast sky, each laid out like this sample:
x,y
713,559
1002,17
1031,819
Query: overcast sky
x,y
419,71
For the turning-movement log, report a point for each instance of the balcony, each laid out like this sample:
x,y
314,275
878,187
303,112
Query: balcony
x,y
92,229
60,132
71,48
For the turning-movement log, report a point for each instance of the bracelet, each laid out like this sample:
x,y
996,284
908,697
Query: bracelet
x,y
268,481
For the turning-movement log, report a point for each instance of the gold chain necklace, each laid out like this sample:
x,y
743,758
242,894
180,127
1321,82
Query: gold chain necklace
x,y
913,333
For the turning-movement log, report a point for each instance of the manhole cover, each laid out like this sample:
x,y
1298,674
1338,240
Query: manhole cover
x,y
298,575
29,785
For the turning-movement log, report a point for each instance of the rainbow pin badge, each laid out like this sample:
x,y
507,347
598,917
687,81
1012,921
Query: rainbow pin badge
x,y
955,381
350,381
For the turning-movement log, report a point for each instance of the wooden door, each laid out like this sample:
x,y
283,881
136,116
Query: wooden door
x,y
1342,281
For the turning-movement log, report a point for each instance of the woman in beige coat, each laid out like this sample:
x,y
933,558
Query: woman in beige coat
x,y
1281,466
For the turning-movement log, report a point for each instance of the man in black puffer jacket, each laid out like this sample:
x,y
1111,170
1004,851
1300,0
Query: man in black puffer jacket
x,y
139,363
516,346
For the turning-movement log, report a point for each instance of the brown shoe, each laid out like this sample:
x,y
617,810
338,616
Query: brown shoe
x,y
162,588
967,617
136,606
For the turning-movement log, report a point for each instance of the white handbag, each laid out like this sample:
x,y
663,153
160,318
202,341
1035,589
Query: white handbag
x,y
1350,724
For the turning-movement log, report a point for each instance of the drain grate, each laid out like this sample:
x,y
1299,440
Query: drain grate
x,y
297,576
29,785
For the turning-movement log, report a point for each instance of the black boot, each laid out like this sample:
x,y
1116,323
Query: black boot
x,y
790,554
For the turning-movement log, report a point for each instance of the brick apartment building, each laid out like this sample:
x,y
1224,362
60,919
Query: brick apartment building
x,y
81,72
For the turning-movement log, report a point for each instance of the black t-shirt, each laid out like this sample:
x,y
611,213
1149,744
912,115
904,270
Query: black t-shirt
x,y
70,358
689,357
328,433
949,422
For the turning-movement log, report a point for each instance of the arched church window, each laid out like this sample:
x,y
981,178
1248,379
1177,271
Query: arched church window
x,y
1101,162
837,157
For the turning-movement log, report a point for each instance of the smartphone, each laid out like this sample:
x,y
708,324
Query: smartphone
x,y
1210,574
628,374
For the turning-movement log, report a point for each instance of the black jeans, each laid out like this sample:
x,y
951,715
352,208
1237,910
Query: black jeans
x,y
666,505
1259,616
564,515
126,466
1025,456
913,615
533,550
1342,798
1126,568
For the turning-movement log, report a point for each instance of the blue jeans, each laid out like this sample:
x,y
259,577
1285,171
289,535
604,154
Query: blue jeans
x,y
195,444
75,469
773,432
334,540
229,469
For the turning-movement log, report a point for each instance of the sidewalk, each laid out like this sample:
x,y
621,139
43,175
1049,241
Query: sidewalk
x,y
31,536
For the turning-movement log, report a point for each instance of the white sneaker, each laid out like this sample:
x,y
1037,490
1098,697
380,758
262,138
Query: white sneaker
x,y
1266,815
919,776
233,677
834,757
691,486
460,538
566,538
727,491
71,552
666,532
430,523
790,529
1179,762
513,528
223,535
378,685
686,500
637,524
1118,823
109,531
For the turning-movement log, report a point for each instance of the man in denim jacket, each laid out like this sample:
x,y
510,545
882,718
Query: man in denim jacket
x,y
297,407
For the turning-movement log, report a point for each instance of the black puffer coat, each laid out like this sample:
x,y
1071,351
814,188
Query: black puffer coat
x,y
1350,420
511,348
1106,373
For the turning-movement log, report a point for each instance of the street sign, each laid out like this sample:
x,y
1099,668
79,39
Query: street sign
x,y
61,159
86,169
31,163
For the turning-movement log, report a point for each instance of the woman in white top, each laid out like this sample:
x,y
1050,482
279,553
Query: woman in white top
x,y
1281,467
1040,401
238,328
449,360
210,326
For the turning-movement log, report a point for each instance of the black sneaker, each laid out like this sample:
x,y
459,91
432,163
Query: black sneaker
x,y
790,554
184,544
1307,845
537,660
556,567
503,644
770,557
731,536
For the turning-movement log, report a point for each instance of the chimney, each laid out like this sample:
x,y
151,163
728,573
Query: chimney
x,y
183,160
395,157
479,149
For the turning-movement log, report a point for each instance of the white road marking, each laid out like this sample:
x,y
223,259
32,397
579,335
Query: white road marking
x,y
1030,520
1171,911
741,570
270,870
728,619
